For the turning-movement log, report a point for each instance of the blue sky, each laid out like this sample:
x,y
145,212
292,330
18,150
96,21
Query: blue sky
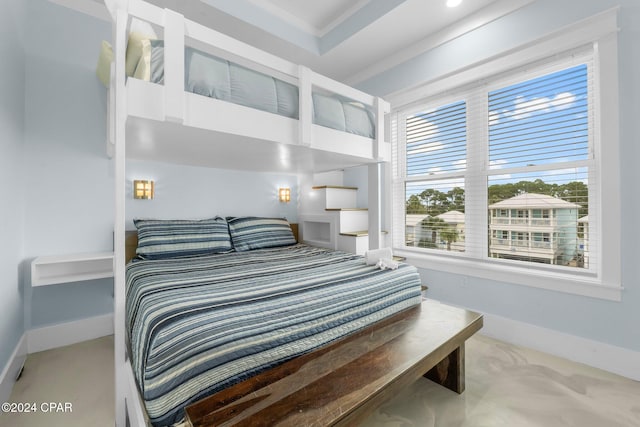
x,y
538,122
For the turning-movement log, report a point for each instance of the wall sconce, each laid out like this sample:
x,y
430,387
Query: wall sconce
x,y
284,194
142,189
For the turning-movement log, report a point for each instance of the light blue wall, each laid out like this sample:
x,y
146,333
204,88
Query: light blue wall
x,y
615,323
358,177
196,192
12,83
69,198
69,203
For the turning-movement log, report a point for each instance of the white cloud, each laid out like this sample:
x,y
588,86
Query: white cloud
x,y
460,164
563,101
427,129
426,148
524,107
497,164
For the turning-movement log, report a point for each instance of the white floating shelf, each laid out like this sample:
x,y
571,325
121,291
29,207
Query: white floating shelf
x,y
51,270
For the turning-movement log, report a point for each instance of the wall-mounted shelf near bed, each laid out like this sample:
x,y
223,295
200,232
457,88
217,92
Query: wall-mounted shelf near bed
x,y
51,270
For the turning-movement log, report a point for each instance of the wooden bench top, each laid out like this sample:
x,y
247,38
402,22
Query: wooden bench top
x,y
341,384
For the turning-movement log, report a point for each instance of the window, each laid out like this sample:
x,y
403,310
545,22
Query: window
x,y
505,173
540,213
539,159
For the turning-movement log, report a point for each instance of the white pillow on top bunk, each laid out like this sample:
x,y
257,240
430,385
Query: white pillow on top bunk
x,y
140,31
143,67
152,53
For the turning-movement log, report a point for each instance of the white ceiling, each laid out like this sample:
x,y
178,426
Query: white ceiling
x,y
315,17
348,40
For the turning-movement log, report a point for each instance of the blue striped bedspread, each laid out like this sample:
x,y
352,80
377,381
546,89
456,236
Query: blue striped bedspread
x,y
199,325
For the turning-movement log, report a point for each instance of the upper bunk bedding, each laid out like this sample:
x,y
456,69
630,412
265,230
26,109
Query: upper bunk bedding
x,y
199,324
218,78
182,86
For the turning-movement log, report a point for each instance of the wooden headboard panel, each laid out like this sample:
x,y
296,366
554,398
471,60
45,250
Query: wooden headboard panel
x,y
131,242
294,228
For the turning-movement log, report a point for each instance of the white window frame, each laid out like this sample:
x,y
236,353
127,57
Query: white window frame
x,y
598,32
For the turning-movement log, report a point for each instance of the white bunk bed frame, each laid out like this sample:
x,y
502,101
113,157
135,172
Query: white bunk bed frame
x,y
143,113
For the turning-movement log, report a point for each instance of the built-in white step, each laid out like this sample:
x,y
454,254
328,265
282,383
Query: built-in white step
x,y
332,218
336,197
351,220
357,243
343,229
331,197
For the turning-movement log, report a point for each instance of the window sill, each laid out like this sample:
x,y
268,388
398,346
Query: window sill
x,y
549,280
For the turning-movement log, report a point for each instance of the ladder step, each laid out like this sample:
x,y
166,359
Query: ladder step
x,y
360,233
339,187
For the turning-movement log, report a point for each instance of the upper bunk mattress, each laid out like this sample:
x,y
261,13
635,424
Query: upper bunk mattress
x,y
198,325
217,78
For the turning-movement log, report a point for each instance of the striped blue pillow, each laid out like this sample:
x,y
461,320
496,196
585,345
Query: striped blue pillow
x,y
158,239
251,232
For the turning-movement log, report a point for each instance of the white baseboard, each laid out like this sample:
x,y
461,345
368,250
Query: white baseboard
x,y
68,333
12,368
599,355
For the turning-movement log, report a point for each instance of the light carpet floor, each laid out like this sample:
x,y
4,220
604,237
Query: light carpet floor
x,y
507,386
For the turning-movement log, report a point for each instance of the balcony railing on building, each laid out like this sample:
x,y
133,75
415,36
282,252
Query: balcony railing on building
x,y
534,222
531,244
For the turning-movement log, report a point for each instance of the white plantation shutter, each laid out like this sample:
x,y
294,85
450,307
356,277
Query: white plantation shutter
x,y
540,166
540,121
537,179
503,170
436,151
436,140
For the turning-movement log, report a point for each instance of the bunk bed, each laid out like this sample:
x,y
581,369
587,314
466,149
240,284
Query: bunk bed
x,y
159,114
295,109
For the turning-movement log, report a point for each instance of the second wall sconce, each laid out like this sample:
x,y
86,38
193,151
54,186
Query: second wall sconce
x,y
143,189
284,194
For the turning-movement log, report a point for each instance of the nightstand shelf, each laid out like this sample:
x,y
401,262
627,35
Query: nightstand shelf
x,y
51,270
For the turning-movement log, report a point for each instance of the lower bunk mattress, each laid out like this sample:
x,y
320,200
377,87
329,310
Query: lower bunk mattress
x,y
198,325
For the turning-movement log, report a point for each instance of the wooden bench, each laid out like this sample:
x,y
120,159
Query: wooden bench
x,y
341,384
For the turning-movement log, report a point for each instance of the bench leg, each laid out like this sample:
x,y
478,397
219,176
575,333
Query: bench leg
x,y
450,371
